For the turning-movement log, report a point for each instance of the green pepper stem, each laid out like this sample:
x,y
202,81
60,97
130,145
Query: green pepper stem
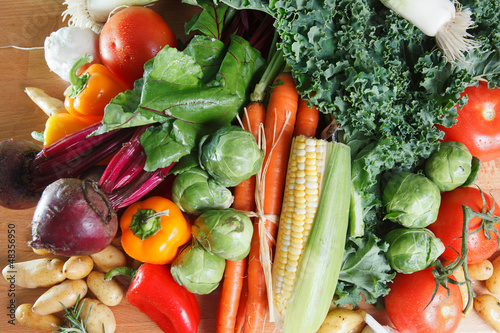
x,y
120,271
147,222
78,82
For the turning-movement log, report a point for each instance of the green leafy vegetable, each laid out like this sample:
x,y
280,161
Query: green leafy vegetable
x,y
194,99
210,21
365,270
205,84
167,143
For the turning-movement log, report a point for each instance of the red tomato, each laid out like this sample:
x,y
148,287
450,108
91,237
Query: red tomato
x,y
130,38
407,300
478,123
449,224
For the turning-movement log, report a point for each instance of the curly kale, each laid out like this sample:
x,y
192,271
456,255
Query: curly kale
x,y
365,271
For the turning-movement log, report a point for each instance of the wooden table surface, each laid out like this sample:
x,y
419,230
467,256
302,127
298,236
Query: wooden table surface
x,y
26,23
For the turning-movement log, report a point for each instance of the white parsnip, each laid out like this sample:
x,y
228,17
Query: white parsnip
x,y
48,104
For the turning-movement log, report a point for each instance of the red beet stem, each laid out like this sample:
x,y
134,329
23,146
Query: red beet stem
x,y
141,185
131,153
74,154
125,181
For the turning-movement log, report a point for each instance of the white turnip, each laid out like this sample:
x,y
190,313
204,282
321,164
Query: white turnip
x,y
73,217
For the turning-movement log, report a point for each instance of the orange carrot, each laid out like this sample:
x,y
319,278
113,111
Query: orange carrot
x,y
244,199
257,293
229,295
242,306
283,104
307,120
278,128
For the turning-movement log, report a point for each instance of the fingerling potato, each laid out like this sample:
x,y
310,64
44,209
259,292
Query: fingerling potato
x,y
98,316
65,294
26,317
488,308
493,283
78,267
109,292
341,320
109,258
44,272
481,271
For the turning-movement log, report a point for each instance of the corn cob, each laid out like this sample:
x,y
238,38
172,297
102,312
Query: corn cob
x,y
310,163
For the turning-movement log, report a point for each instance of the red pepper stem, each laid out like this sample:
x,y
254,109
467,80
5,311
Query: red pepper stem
x,y
120,271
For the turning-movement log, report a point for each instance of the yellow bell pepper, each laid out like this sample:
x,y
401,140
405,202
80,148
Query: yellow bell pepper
x,y
61,124
153,230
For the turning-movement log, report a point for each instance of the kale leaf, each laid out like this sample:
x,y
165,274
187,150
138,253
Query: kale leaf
x,y
365,271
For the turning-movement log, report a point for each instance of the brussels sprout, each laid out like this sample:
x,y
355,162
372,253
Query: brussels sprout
x,y
226,233
411,200
194,192
449,166
412,249
230,155
197,269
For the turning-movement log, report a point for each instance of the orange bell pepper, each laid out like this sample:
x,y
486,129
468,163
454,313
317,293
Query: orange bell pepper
x,y
153,230
91,91
59,125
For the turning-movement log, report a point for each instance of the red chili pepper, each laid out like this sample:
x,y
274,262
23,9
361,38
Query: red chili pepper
x,y
154,291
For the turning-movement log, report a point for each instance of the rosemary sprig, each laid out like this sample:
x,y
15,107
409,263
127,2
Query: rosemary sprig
x,y
73,323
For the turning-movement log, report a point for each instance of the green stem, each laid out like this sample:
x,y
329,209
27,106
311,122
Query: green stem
x,y
274,67
78,82
441,273
120,271
147,222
